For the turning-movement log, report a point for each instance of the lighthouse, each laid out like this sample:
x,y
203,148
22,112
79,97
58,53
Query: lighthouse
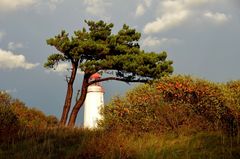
x,y
93,103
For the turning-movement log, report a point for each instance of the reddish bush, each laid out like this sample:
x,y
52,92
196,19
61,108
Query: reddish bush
x,y
15,115
174,103
9,123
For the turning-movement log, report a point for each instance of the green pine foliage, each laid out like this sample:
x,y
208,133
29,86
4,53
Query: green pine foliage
x,y
98,49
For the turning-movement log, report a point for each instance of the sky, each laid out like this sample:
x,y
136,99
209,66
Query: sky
x,y
200,36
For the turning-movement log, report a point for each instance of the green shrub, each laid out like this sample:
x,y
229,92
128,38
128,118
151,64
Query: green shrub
x,y
178,103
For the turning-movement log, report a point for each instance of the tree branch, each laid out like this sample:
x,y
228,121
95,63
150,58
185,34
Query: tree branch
x,y
118,79
67,78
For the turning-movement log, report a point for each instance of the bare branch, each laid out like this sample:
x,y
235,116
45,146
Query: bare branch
x,y
67,78
78,94
118,79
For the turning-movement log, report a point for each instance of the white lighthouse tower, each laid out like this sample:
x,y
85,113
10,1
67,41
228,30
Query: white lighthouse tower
x,y
93,103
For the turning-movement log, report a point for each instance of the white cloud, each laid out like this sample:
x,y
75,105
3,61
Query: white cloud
x,y
62,68
141,7
97,7
174,13
8,5
11,90
194,3
217,17
13,45
170,6
2,34
154,41
38,5
140,10
151,41
167,21
52,4
148,3
42,6
9,60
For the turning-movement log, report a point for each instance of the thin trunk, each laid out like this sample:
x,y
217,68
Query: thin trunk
x,y
80,102
68,98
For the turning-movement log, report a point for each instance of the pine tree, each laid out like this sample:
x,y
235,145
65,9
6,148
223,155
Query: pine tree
x,y
99,50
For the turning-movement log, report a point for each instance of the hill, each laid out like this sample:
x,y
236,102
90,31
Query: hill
x,y
175,117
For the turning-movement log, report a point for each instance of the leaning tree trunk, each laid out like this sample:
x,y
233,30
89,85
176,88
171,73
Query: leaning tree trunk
x,y
80,101
68,98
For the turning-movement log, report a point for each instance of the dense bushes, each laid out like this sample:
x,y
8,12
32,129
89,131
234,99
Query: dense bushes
x,y
234,87
179,103
212,101
9,123
15,116
31,117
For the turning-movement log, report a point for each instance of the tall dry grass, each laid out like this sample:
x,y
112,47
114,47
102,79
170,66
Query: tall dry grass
x,y
78,143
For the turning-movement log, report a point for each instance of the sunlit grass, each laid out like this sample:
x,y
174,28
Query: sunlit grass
x,y
79,143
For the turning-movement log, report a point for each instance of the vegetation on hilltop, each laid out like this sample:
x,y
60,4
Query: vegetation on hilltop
x,y
15,117
180,104
176,117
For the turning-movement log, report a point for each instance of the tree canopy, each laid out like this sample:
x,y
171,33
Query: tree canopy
x,y
98,49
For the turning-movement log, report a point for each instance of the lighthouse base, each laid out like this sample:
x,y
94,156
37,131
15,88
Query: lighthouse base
x,y
92,106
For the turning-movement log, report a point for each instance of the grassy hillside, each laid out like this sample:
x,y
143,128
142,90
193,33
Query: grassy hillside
x,y
178,117
77,143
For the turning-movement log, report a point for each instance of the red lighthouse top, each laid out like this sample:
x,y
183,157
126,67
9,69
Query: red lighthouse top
x,y
95,76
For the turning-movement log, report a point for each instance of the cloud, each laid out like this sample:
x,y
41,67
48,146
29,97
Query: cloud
x,y
141,7
97,7
151,41
166,22
43,6
38,5
140,10
148,3
52,4
9,5
9,60
154,41
14,46
193,3
62,68
11,90
175,12
2,34
217,17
